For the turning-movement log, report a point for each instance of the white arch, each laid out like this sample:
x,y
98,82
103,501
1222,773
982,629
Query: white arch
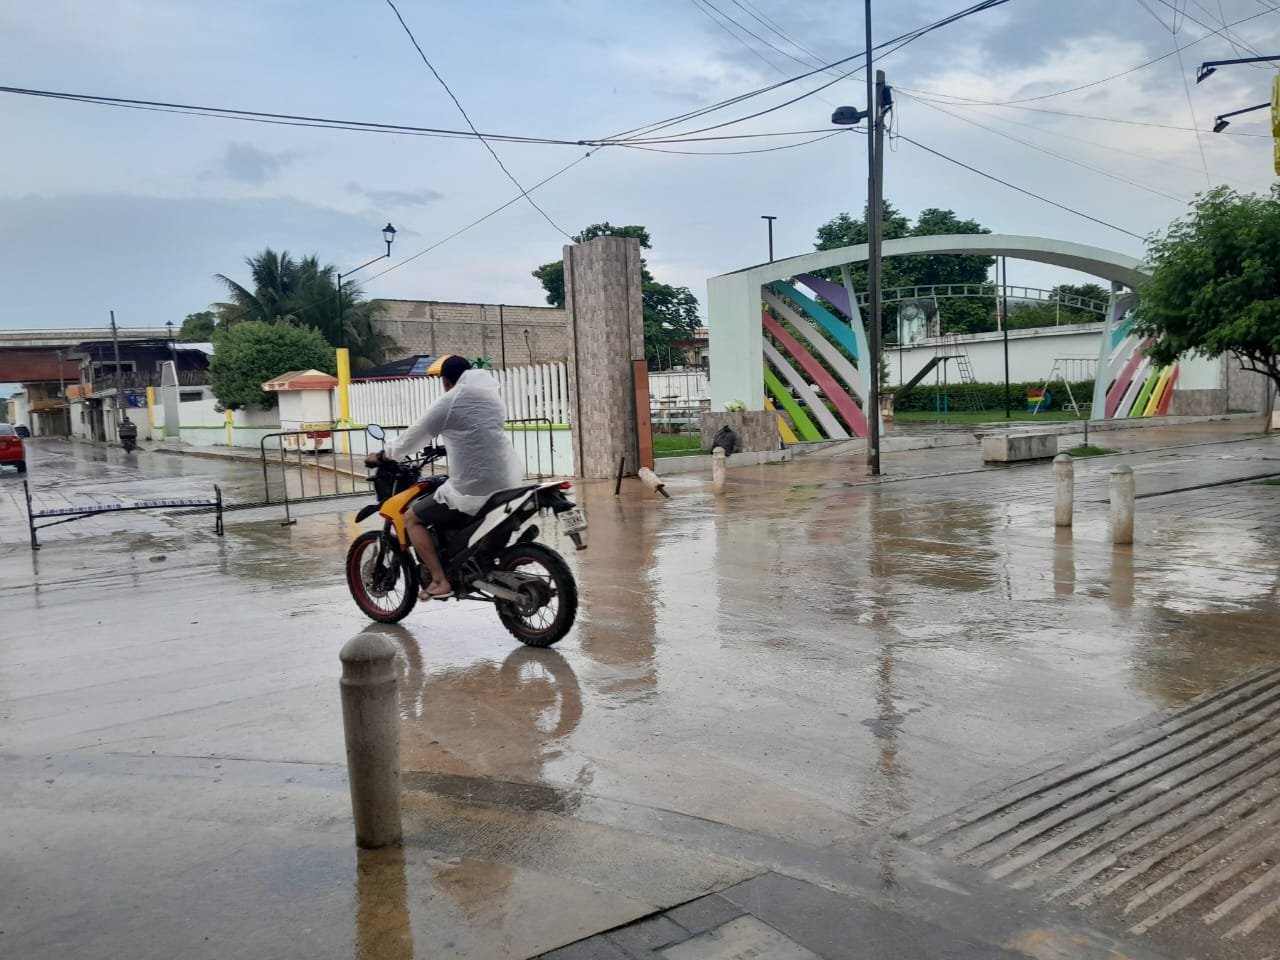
x,y
733,299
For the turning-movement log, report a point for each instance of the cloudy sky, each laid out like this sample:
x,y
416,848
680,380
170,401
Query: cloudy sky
x,y
137,210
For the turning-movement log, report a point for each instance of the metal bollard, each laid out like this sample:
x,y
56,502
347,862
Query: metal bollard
x,y
653,481
371,721
1064,485
717,470
1122,496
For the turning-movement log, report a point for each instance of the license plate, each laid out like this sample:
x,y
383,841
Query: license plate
x,y
572,521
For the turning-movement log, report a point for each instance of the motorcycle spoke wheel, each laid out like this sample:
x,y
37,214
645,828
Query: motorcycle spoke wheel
x,y
549,594
387,589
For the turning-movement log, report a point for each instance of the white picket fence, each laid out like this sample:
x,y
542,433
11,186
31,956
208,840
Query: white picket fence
x,y
530,393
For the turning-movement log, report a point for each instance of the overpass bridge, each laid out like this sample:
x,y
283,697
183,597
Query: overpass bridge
x,y
32,356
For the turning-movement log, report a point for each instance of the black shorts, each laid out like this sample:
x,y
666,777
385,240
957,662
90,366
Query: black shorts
x,y
433,513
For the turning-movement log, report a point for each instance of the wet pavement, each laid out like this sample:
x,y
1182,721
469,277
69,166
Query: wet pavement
x,y
773,683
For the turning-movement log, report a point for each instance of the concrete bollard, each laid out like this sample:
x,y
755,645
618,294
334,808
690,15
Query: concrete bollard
x,y
1064,486
371,721
653,482
717,470
1122,497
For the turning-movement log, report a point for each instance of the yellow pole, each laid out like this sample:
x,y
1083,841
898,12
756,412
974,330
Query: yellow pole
x,y
151,412
344,395
230,429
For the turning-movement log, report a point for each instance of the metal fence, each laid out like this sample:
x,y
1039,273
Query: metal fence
x,y
307,465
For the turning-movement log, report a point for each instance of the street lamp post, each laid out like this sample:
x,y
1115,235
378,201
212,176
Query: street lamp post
x,y
388,235
878,101
769,218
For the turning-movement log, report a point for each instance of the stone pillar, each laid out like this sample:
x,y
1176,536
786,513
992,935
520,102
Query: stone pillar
x,y
606,333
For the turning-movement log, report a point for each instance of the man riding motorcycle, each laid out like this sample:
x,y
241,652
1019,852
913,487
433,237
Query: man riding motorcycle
x,y
469,419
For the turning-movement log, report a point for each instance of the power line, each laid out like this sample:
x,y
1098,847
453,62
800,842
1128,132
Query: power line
x,y
1091,83
918,95
1200,23
493,153
734,153
769,23
1053,153
1191,108
1022,190
702,4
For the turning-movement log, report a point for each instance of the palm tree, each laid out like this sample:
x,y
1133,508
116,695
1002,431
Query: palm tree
x,y
285,290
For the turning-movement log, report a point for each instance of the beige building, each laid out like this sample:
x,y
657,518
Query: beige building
x,y
505,335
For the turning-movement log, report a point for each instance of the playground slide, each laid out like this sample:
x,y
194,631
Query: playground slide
x,y
817,409
1153,403
841,400
837,360
803,424
1140,404
1168,393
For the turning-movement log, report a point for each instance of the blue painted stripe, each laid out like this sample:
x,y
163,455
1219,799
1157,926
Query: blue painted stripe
x,y
837,331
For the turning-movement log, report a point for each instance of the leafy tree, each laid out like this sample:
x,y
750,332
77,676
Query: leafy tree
x,y
1059,311
1215,284
304,291
198,327
960,315
670,313
251,352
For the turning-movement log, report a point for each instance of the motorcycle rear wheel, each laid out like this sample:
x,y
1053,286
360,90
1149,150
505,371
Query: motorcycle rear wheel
x,y
552,604
387,595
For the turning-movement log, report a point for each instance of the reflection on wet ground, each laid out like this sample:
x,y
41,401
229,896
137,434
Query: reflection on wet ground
x,y
808,659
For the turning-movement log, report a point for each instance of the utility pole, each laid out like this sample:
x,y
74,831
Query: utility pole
x,y
115,340
875,209
1004,311
502,335
770,219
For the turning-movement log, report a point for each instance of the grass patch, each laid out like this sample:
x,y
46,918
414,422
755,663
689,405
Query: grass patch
x,y
675,445
981,416
1271,482
1088,450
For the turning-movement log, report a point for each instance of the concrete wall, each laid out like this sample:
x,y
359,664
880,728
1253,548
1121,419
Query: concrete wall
x,y
606,333
1031,354
476,330
1246,390
757,430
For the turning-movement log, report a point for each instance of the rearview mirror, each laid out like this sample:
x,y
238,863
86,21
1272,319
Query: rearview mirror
x,y
376,432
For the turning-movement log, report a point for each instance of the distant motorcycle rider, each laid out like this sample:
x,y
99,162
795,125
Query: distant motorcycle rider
x,y
469,420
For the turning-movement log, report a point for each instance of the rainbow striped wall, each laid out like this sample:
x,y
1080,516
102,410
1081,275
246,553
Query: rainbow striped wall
x,y
1134,386
806,345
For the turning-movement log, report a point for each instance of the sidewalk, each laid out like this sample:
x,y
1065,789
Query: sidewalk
x,y
770,700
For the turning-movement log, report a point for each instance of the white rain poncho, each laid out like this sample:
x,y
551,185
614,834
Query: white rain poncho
x,y
468,421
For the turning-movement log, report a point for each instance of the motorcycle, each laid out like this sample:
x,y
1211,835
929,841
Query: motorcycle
x,y
495,558
128,431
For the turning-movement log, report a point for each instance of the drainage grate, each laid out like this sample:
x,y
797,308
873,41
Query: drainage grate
x,y
1178,822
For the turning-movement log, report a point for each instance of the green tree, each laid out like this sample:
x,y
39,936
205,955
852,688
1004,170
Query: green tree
x,y
1060,309
303,291
1215,283
958,315
198,327
670,313
252,352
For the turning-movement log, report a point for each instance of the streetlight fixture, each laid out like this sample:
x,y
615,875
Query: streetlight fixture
x,y
769,218
172,349
389,236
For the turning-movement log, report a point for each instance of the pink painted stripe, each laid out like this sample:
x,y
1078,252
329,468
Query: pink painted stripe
x,y
1117,391
839,397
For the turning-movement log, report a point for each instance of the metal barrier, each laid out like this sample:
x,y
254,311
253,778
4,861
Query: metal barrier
x,y
535,469
67,514
326,474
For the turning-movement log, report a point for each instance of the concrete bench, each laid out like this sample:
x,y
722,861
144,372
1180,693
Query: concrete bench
x,y
1013,447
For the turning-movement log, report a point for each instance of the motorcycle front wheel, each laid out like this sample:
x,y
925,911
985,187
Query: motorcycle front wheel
x,y
388,590
549,595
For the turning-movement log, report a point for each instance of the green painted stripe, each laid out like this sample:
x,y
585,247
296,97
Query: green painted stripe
x,y
804,426
1140,405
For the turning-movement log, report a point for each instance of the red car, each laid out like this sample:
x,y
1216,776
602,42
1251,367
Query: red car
x,y
11,449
